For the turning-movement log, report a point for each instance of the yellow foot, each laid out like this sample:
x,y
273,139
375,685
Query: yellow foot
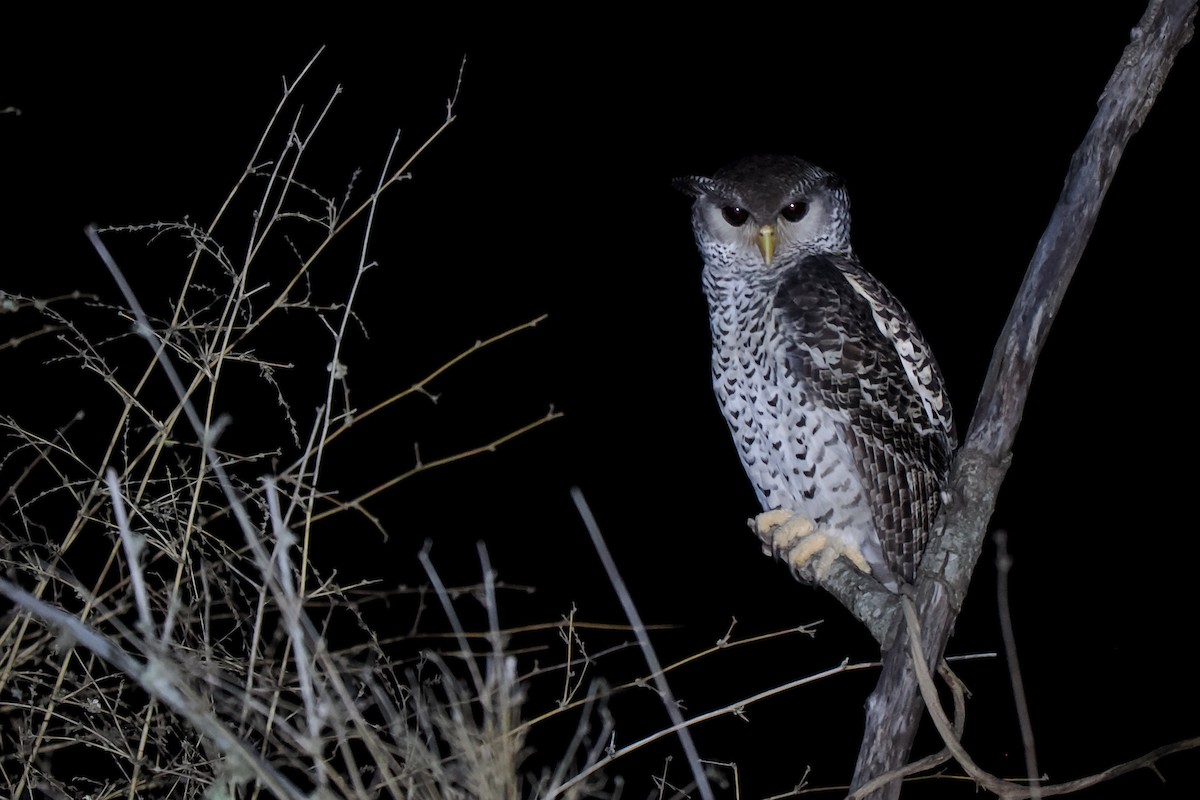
x,y
794,539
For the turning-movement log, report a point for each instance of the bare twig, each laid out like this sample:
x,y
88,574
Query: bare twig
x,y
154,677
639,629
239,657
1002,788
1003,567
422,466
735,709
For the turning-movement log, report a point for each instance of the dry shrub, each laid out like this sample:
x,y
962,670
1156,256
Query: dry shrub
x,y
169,633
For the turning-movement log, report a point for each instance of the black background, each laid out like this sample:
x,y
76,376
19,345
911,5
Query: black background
x,y
550,193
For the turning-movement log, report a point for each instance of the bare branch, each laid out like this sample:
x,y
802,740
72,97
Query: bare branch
x,y
157,679
1009,790
894,708
1003,567
635,619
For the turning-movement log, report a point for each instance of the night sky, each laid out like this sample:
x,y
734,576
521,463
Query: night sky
x,y
551,194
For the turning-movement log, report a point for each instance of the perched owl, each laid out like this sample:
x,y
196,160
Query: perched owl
x,y
834,399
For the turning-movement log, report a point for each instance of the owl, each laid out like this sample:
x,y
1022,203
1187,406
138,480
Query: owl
x,y
835,402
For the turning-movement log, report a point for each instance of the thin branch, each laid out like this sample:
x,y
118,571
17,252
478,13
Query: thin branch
x,y
1003,567
1007,790
639,629
422,466
421,385
157,679
733,708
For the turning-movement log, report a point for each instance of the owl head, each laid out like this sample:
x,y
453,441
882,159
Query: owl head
x,y
763,211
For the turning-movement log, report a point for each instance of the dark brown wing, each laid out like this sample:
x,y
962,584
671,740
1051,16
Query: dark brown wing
x,y
898,423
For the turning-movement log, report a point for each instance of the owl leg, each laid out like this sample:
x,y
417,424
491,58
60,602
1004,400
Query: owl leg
x,y
795,540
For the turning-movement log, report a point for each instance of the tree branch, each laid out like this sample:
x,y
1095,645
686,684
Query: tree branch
x,y
895,707
1006,789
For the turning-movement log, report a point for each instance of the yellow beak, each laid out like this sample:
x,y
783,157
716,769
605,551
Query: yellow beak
x,y
766,242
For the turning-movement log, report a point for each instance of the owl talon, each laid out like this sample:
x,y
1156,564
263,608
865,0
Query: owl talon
x,y
794,539
781,530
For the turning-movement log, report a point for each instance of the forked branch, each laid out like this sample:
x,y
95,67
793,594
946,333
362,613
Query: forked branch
x,y
895,707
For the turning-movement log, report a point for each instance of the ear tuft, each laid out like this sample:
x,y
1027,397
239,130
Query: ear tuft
x,y
695,185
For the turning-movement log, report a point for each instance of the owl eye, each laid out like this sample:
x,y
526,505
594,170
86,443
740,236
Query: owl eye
x,y
735,215
794,212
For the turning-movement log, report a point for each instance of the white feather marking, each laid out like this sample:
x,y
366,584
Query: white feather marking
x,y
915,362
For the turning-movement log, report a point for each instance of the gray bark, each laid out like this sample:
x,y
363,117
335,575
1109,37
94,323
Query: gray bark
x,y
895,707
